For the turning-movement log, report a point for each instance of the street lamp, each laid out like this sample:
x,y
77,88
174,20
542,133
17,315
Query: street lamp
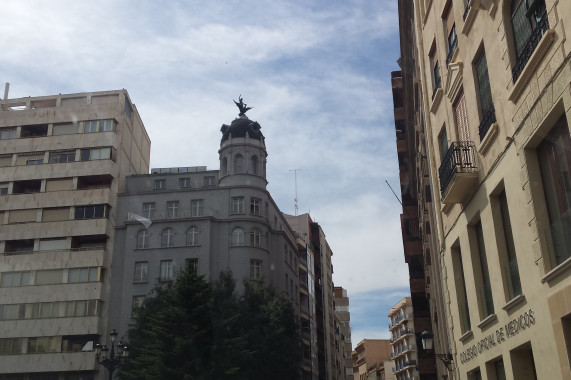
x,y
427,341
112,360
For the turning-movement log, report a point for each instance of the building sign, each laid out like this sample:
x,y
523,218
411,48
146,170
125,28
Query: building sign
x,y
512,328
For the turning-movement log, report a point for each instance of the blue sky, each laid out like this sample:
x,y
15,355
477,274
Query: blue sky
x,y
316,72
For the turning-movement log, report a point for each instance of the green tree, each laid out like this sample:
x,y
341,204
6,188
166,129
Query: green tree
x,y
190,329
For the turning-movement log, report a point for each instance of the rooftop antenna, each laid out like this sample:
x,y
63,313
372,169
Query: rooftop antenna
x,y
295,199
6,89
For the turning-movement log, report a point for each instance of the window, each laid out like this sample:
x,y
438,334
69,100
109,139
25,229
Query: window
x,y
255,237
460,285
4,188
255,270
255,206
93,154
481,273
141,271
451,37
436,80
64,129
7,133
83,275
10,279
14,311
238,163
523,363
209,181
529,23
143,239
62,157
237,237
506,246
149,210
485,95
192,265
167,238
49,276
35,162
172,209
166,270
82,308
128,109
554,155
254,164
42,344
238,205
45,310
91,212
94,126
136,305
197,207
192,236
184,182
160,184
443,143
461,118
10,346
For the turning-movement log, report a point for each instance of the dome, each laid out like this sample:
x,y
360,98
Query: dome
x,y
240,127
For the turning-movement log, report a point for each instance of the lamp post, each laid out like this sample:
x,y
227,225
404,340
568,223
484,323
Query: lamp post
x,y
427,342
110,359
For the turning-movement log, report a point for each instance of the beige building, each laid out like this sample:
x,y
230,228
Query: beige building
x,y
62,162
495,86
344,317
368,356
403,340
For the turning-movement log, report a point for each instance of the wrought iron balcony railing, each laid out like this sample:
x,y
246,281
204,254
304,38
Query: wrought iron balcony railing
x,y
529,48
487,121
460,158
466,10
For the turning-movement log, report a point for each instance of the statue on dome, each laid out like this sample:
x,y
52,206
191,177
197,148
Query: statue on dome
x,y
243,107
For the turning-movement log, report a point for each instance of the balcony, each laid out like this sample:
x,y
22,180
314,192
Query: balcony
x,y
458,172
536,36
487,121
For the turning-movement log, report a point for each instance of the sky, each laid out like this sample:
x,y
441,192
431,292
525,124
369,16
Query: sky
x,y
316,72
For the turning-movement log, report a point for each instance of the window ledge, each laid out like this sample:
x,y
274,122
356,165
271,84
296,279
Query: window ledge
x,y
470,17
532,65
490,319
488,139
467,335
558,270
436,100
513,303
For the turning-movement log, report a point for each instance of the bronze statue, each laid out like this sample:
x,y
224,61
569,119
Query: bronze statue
x,y
242,106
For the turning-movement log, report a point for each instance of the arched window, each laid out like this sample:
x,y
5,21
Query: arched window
x,y
254,164
167,238
238,163
255,237
143,239
224,166
237,237
192,236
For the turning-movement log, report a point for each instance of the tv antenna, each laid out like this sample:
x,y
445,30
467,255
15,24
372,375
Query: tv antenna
x,y
295,199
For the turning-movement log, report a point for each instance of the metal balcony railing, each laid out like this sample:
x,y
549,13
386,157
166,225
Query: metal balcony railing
x,y
487,121
460,158
529,48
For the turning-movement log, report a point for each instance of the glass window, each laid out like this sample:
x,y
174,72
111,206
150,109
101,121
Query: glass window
x,y
254,164
209,181
136,305
83,275
237,237
91,212
143,239
486,292
256,270
166,270
192,265
255,238
7,133
93,154
509,260
10,279
149,210
94,126
35,162
238,205
255,206
184,182
172,209
141,271
554,155
62,157
238,163
192,236
197,207
167,238
160,184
